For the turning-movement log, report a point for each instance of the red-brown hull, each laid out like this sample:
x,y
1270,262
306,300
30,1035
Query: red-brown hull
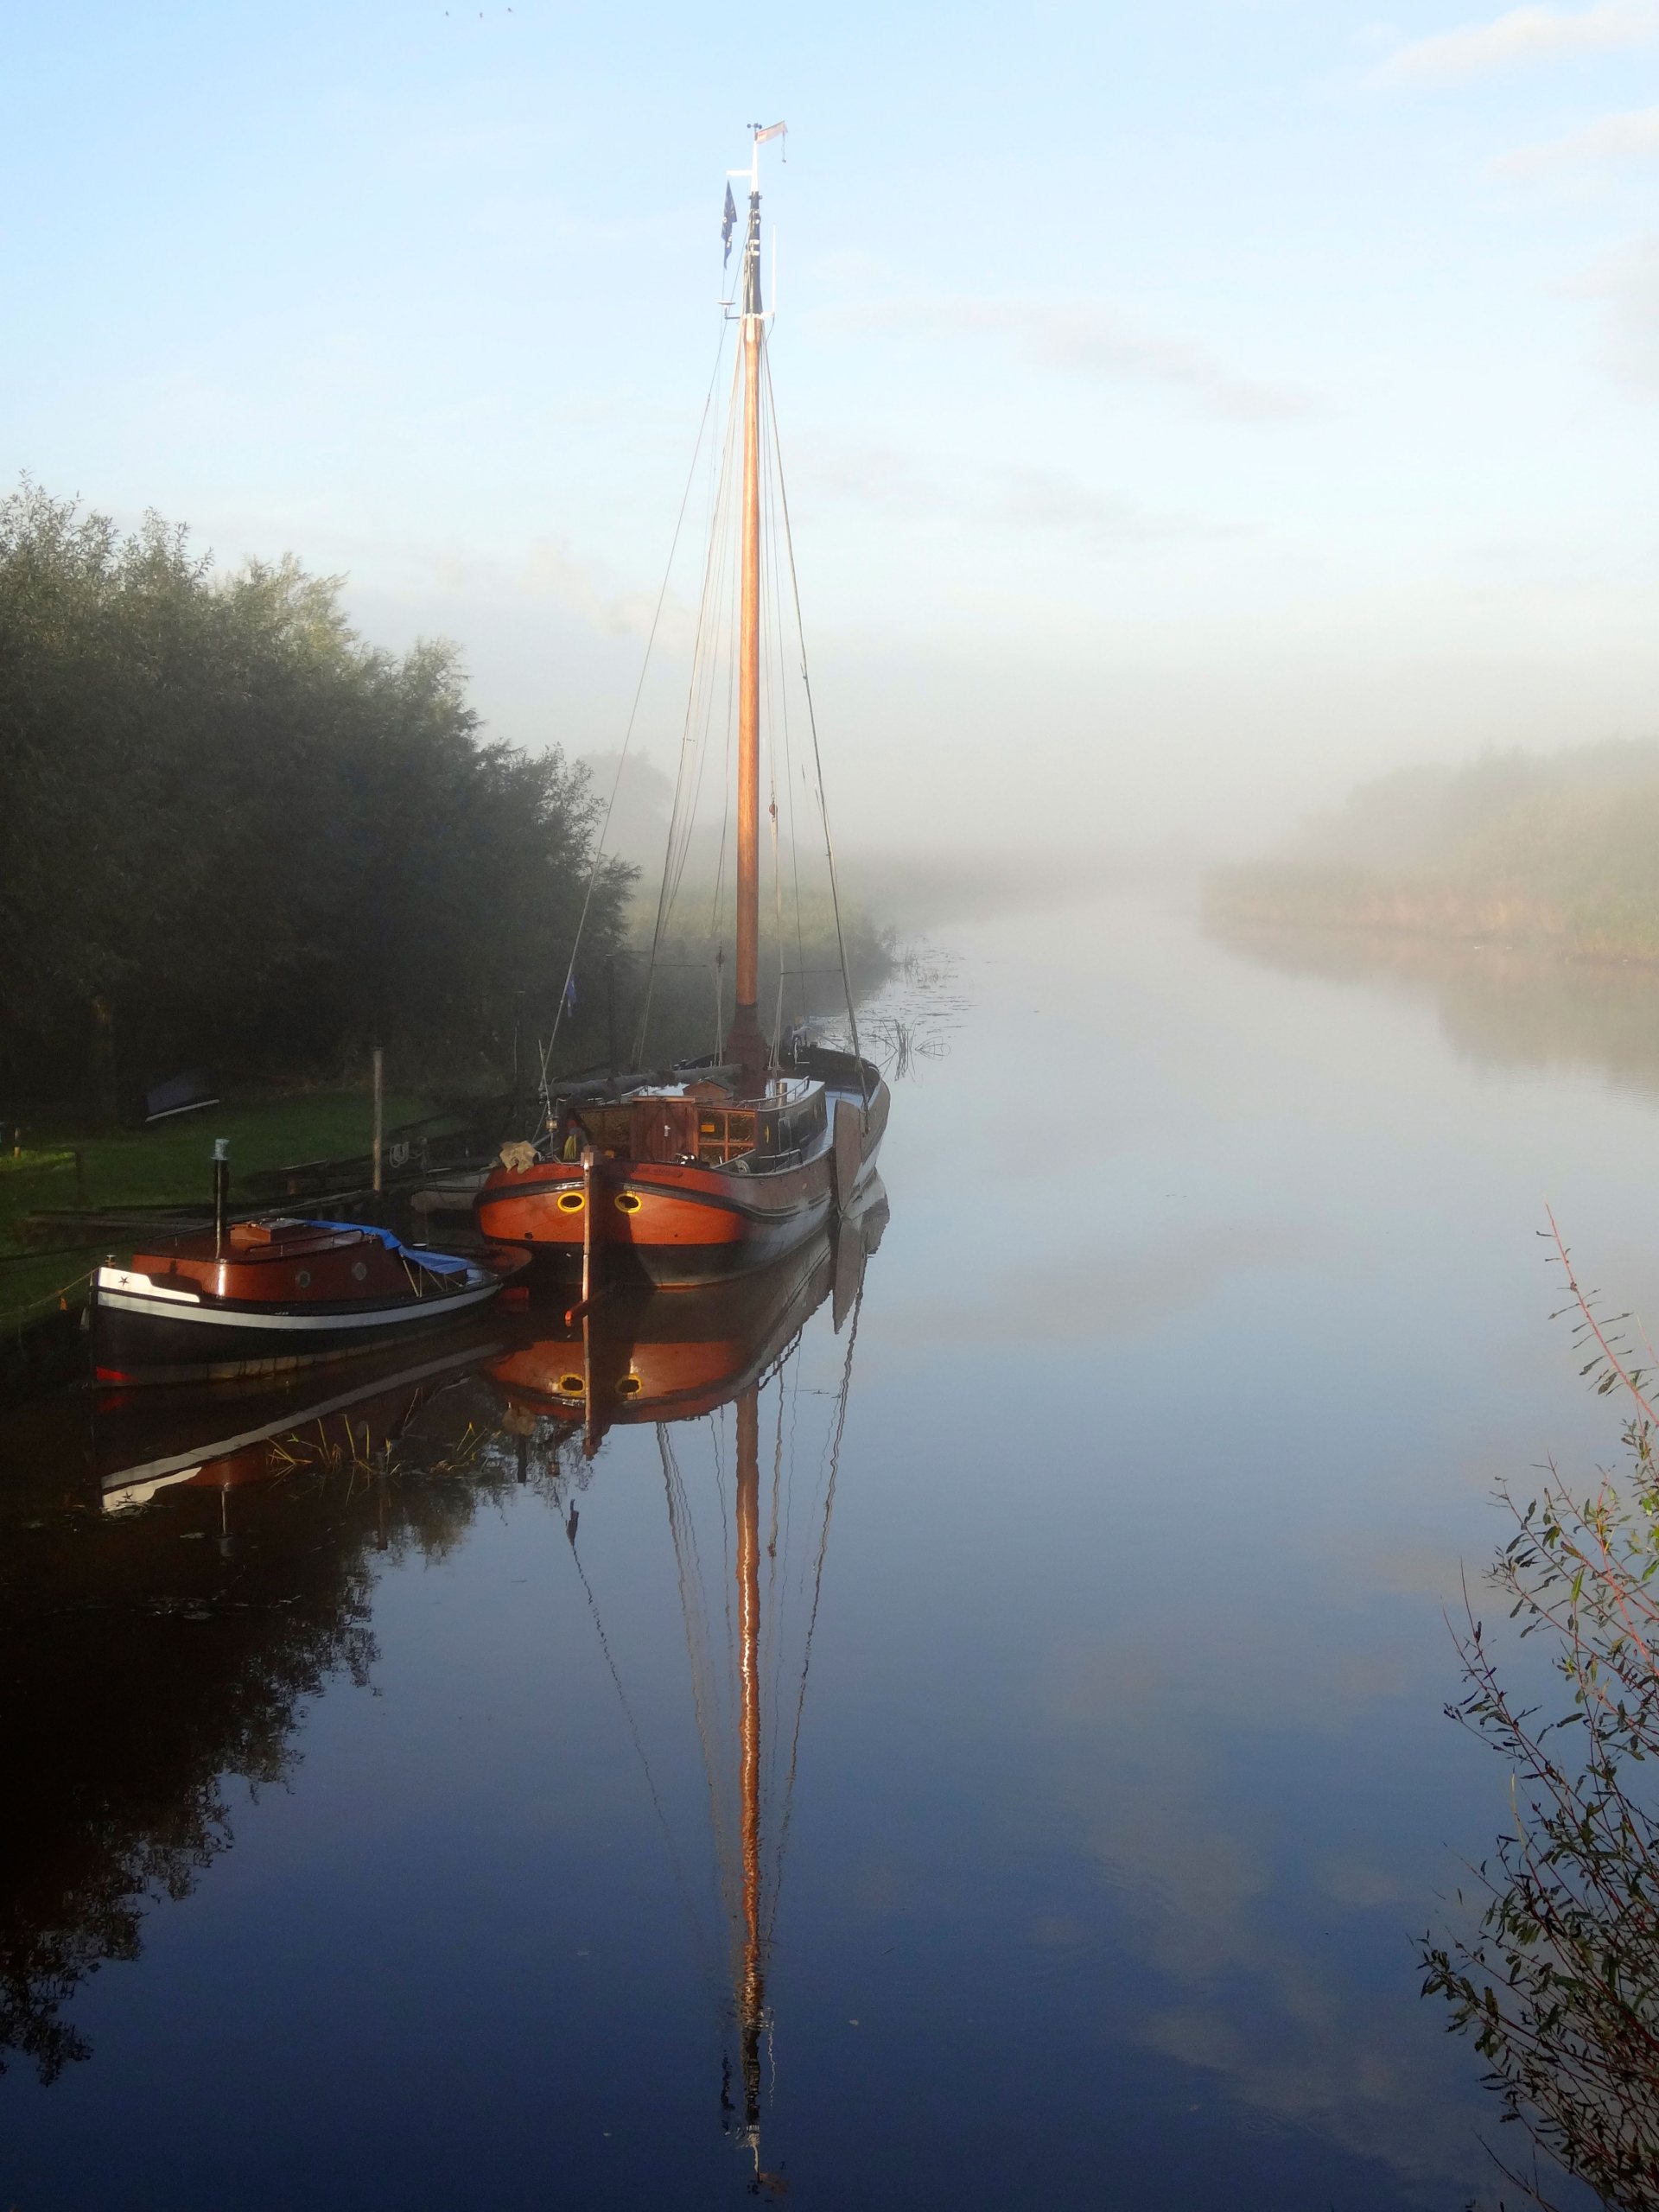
x,y
668,1224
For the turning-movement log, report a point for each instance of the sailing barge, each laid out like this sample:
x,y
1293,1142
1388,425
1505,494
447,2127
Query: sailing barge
x,y
733,1163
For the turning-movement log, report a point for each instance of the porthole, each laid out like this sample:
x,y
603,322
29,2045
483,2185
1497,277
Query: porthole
x,y
303,1279
628,1202
629,1387
570,1202
571,1386
360,1271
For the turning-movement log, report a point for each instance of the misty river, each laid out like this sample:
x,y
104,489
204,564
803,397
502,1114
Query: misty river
x,y
375,1829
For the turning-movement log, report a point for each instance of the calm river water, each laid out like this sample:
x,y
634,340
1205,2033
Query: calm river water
x,y
379,1831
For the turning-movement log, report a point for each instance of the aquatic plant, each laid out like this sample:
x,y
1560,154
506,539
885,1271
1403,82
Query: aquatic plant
x,y
1559,1985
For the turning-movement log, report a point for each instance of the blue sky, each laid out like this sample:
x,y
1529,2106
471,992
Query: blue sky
x,y
1188,409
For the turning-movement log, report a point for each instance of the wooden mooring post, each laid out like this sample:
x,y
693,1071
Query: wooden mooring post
x,y
379,1114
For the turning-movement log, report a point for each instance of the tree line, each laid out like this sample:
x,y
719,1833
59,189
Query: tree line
x,y
1556,849
234,833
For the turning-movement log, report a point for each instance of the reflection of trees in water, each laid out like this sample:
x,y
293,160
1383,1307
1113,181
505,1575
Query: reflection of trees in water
x,y
150,1657
1559,1985
1503,1007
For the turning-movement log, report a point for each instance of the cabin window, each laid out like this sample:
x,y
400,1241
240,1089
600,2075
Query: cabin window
x,y
723,1136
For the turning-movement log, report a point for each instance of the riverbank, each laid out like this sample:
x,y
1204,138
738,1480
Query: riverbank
x,y
47,1165
1608,924
1555,853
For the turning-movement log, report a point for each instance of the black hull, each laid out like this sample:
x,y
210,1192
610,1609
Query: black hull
x,y
144,1346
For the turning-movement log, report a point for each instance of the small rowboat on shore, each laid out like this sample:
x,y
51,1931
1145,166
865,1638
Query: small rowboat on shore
x,y
261,1296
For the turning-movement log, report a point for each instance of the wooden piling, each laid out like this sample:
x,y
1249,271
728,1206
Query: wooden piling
x,y
379,1114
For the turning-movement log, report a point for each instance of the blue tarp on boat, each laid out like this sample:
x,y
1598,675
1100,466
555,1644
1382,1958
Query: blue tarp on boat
x,y
435,1263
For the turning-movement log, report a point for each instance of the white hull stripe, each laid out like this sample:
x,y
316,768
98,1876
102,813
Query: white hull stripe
x,y
379,1316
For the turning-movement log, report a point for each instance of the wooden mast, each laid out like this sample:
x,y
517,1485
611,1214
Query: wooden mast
x,y
744,1043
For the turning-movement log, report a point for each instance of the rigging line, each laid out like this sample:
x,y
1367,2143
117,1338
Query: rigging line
x,y
726,1563
770,1642
697,685
776,688
633,711
817,1593
818,755
714,627
709,580
789,755
697,1653
733,625
777,1586
713,621
639,1748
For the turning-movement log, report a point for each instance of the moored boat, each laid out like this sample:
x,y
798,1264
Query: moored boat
x,y
728,1167
691,1182
256,1297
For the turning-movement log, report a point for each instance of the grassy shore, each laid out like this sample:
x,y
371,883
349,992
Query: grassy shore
x,y
166,1165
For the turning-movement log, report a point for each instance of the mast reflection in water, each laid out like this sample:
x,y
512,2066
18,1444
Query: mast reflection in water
x,y
686,1358
185,1572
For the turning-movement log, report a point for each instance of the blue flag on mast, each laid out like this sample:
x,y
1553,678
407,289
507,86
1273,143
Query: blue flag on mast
x,y
727,227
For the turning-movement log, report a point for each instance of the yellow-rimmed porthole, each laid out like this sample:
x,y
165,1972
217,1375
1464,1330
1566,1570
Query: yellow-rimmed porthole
x,y
570,1202
571,1386
628,1202
629,1387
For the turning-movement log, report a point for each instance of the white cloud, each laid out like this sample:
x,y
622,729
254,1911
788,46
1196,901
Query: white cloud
x,y
1627,284
1089,340
1633,136
1006,498
1531,34
1092,342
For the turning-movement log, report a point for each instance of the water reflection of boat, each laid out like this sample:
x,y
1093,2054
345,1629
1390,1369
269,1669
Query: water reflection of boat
x,y
682,1360
223,1435
645,1357
144,1671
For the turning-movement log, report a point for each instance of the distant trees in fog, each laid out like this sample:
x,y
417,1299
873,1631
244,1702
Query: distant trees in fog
x,y
1560,849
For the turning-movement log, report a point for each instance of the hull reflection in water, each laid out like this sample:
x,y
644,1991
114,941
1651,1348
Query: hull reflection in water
x,y
215,1440
680,1360
296,1491
146,1672
642,1356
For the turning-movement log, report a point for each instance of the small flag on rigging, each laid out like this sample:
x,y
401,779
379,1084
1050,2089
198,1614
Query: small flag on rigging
x,y
772,131
728,225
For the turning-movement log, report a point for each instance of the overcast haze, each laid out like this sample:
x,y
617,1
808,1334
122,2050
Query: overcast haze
x,y
1188,409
